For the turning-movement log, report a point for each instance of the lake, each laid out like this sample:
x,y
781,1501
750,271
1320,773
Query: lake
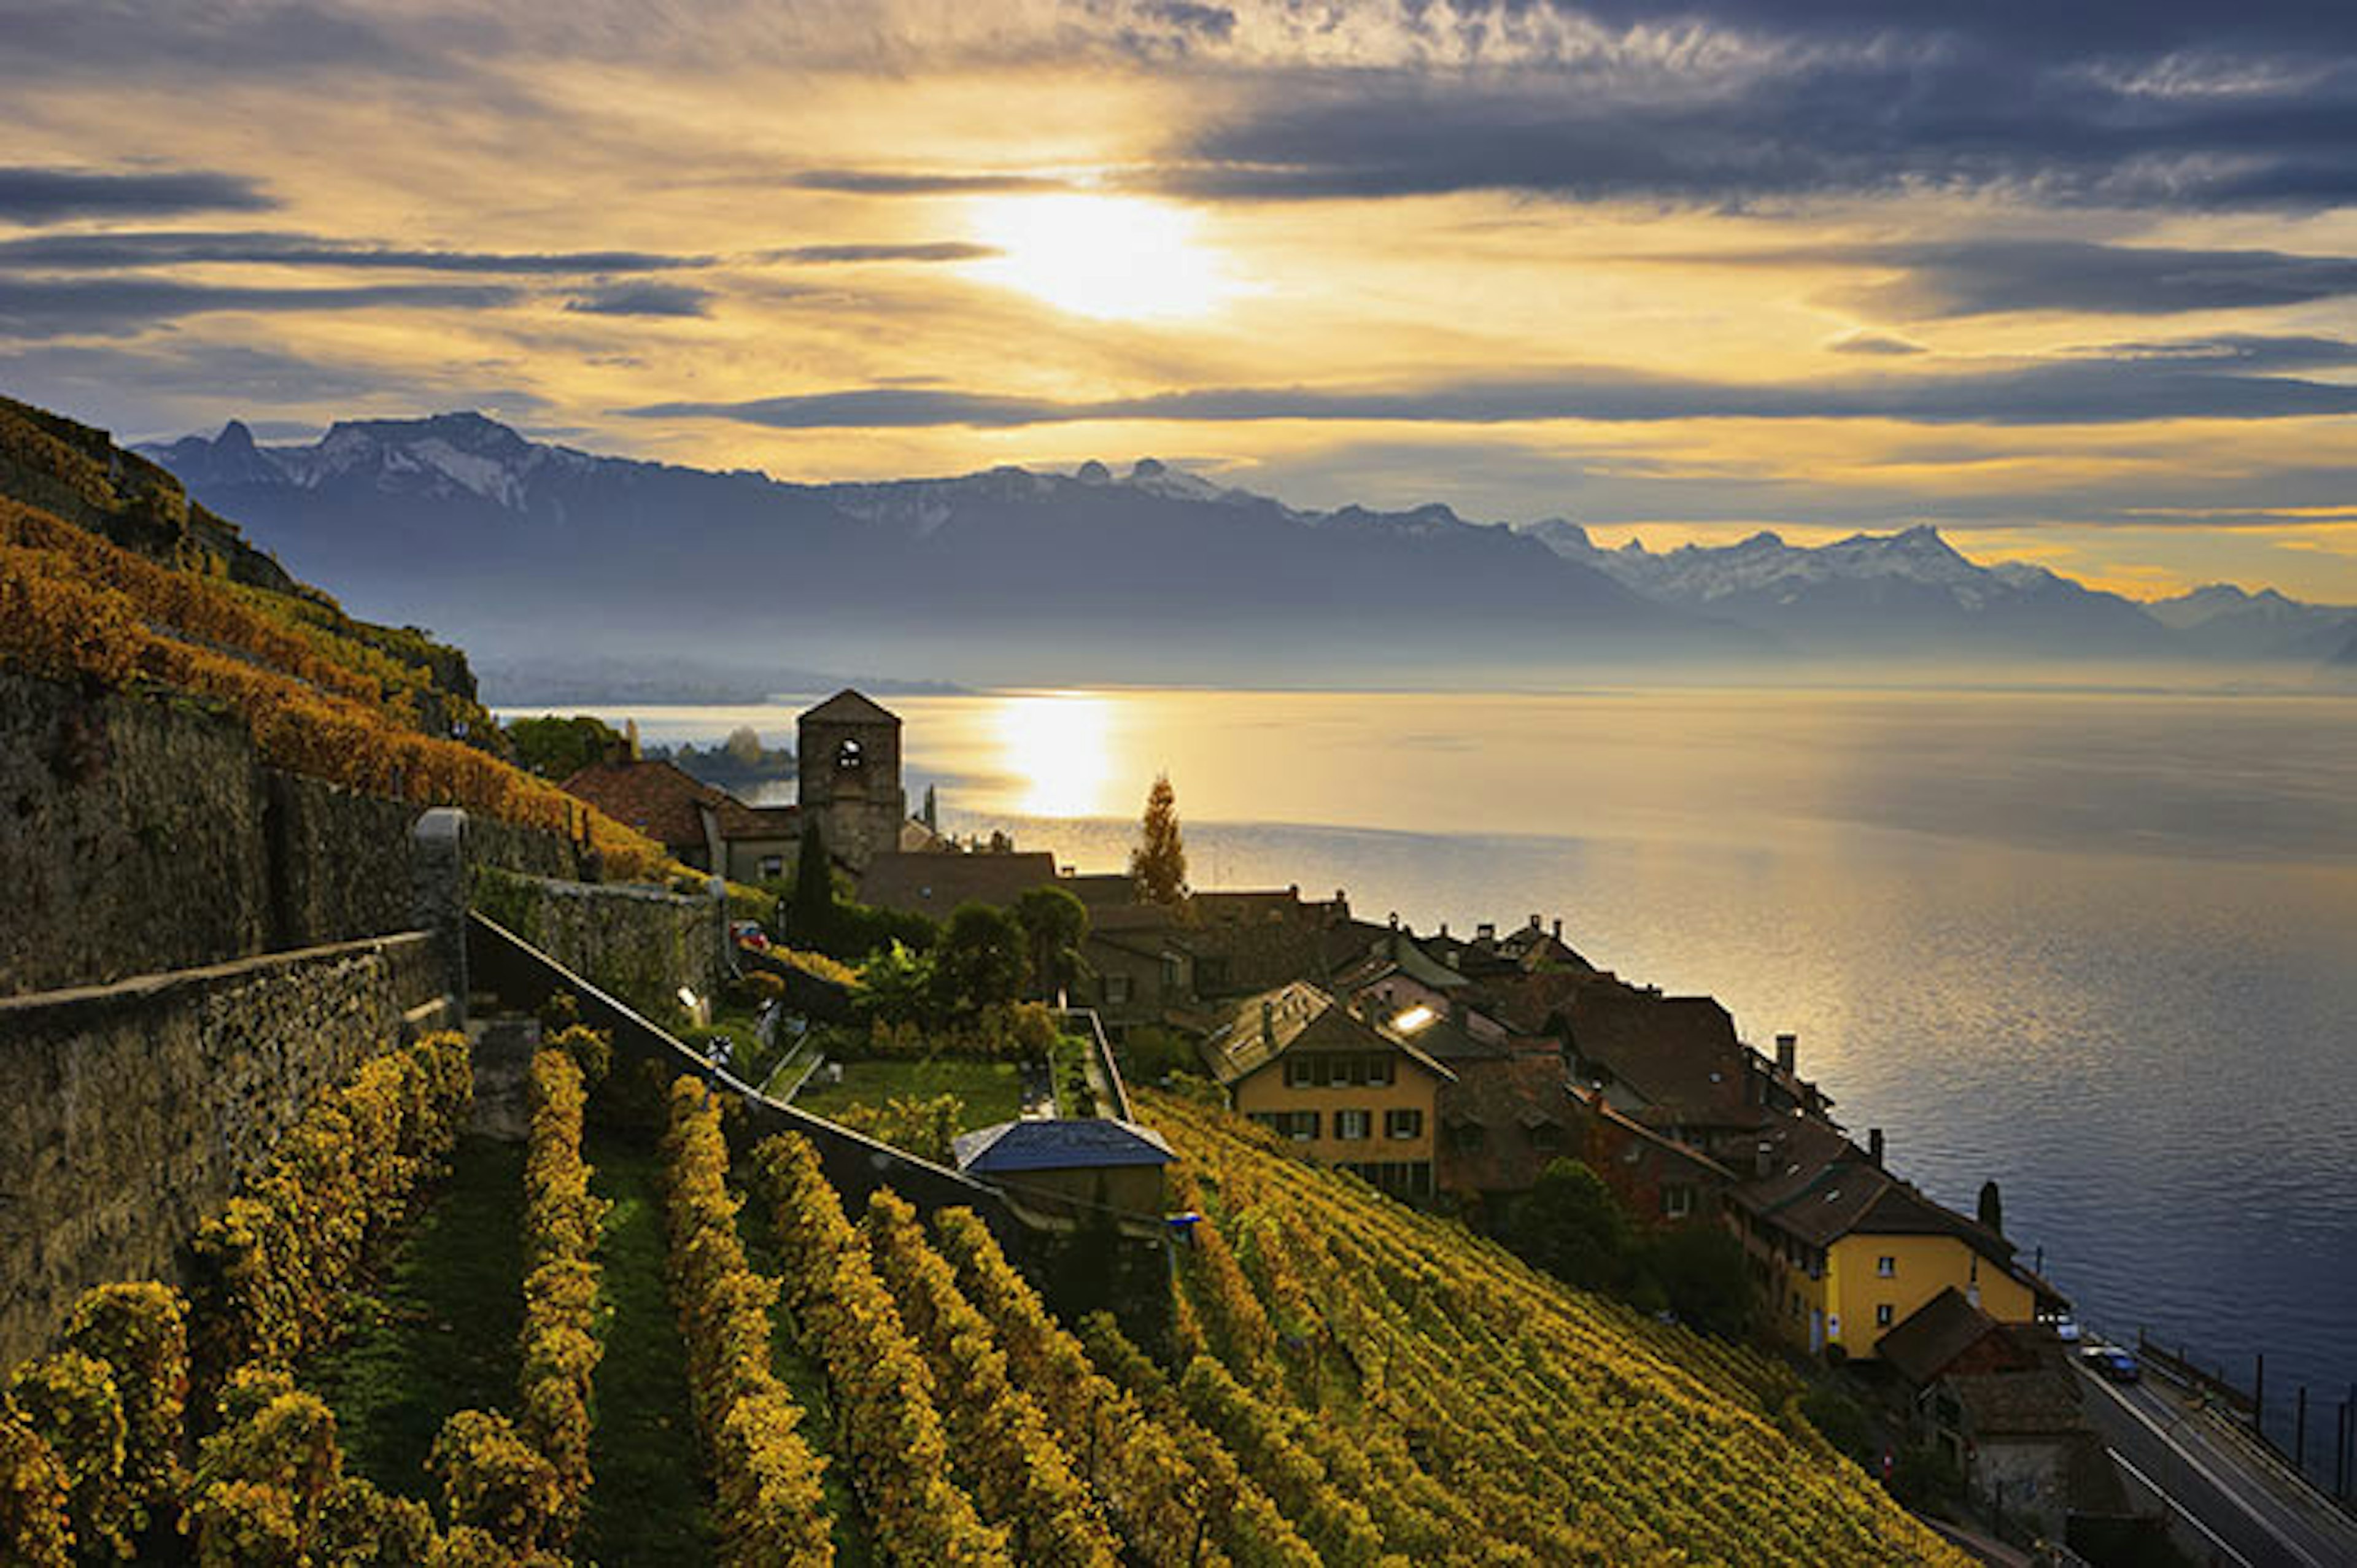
x,y
2101,946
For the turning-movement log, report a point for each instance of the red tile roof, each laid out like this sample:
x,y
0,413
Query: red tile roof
x,y
654,797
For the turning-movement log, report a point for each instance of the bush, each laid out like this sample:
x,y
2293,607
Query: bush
x,y
562,1225
35,1528
69,1400
494,1481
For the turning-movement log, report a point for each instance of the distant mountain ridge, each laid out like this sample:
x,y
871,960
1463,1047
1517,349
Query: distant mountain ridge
x,y
534,551
1913,590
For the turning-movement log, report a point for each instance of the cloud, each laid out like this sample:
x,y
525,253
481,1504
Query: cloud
x,y
32,196
58,253
1872,343
2067,391
644,299
38,308
928,251
1995,277
921,182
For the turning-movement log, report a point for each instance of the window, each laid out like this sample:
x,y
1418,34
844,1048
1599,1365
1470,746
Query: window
x,y
849,757
1403,1124
1677,1199
1466,1136
1886,1268
771,867
1546,1137
1882,1316
1116,988
1378,1071
1353,1125
1301,1126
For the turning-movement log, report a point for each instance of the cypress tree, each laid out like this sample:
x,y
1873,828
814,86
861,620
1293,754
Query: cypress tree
x,y
1158,864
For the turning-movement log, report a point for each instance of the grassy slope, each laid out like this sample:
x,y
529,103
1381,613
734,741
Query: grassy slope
x,y
440,1334
648,1504
993,1091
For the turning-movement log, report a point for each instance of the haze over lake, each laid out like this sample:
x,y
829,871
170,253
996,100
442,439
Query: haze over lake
x,y
2099,945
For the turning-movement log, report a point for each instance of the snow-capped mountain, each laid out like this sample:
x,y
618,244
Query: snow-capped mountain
x,y
2229,622
1909,592
1150,572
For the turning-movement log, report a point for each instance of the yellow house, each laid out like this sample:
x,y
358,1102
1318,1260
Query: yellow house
x,y
1844,1252
1348,1089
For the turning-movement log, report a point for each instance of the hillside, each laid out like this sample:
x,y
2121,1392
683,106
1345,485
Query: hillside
x,y
1347,1381
109,575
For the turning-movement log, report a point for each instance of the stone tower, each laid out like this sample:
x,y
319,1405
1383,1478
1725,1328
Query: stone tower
x,y
847,752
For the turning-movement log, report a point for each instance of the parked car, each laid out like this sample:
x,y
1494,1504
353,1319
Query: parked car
x,y
2111,1362
749,934
2066,1329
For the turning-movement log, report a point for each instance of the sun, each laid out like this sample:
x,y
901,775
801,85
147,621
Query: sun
x,y
1112,257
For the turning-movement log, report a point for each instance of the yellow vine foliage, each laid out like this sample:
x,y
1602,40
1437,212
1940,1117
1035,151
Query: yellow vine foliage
x,y
33,1526
562,1224
1456,1391
74,606
770,1507
891,1428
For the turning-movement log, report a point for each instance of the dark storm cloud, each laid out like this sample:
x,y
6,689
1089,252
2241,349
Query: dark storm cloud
x,y
36,308
112,38
46,195
1981,278
2082,390
644,299
1761,103
100,252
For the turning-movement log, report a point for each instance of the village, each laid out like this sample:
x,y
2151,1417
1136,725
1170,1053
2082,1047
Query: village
x,y
1450,1071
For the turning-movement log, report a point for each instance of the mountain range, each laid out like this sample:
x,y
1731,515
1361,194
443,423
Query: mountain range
x,y
543,557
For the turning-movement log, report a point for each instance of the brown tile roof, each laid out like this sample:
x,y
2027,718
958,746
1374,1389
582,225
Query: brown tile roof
x,y
1507,1099
2044,1403
1677,1053
1530,1001
1098,888
1933,1335
654,797
935,883
848,706
1299,1014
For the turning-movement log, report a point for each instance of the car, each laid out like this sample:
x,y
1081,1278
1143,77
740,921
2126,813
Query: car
x,y
2065,1329
749,934
2112,1363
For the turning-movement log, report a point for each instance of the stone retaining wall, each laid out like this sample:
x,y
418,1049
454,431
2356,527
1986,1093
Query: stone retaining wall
x,y
140,833
640,944
130,1111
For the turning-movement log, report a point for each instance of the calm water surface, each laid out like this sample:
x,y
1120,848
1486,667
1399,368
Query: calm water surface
x,y
2101,947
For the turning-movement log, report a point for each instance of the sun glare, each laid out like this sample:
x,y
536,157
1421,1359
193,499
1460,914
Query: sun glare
x,y
1114,257
1051,747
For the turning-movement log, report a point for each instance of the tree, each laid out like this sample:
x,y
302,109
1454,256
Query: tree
x,y
1701,1271
1992,1208
1570,1225
558,748
744,745
812,910
1158,864
980,960
1055,924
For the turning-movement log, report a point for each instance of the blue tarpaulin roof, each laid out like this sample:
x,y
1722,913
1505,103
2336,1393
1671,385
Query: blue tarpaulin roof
x,y
1060,1145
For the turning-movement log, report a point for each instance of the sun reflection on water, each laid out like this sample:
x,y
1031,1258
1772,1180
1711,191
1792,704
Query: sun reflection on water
x,y
1053,751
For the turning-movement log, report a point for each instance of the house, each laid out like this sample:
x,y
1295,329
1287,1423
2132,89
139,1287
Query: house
x,y
1065,1173
1658,1180
1346,1090
1507,1116
934,882
1140,962
1247,941
1842,1251
700,825
2001,1401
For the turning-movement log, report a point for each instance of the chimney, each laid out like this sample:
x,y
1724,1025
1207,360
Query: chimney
x,y
1267,1021
1443,928
1874,1146
1487,931
1763,1159
1536,922
1558,927
1788,1053
1394,921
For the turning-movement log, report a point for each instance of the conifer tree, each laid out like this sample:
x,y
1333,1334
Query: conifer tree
x,y
812,912
1158,864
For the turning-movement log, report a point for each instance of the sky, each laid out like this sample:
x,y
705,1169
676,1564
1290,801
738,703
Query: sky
x,y
2075,282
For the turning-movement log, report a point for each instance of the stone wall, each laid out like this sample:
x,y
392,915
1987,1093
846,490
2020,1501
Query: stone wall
x,y
140,834
129,1113
638,943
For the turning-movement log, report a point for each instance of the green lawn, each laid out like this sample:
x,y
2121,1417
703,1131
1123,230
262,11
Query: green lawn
x,y
648,1503
438,1334
993,1091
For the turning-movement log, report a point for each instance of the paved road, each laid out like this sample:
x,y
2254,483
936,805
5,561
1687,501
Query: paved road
x,y
2231,1502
